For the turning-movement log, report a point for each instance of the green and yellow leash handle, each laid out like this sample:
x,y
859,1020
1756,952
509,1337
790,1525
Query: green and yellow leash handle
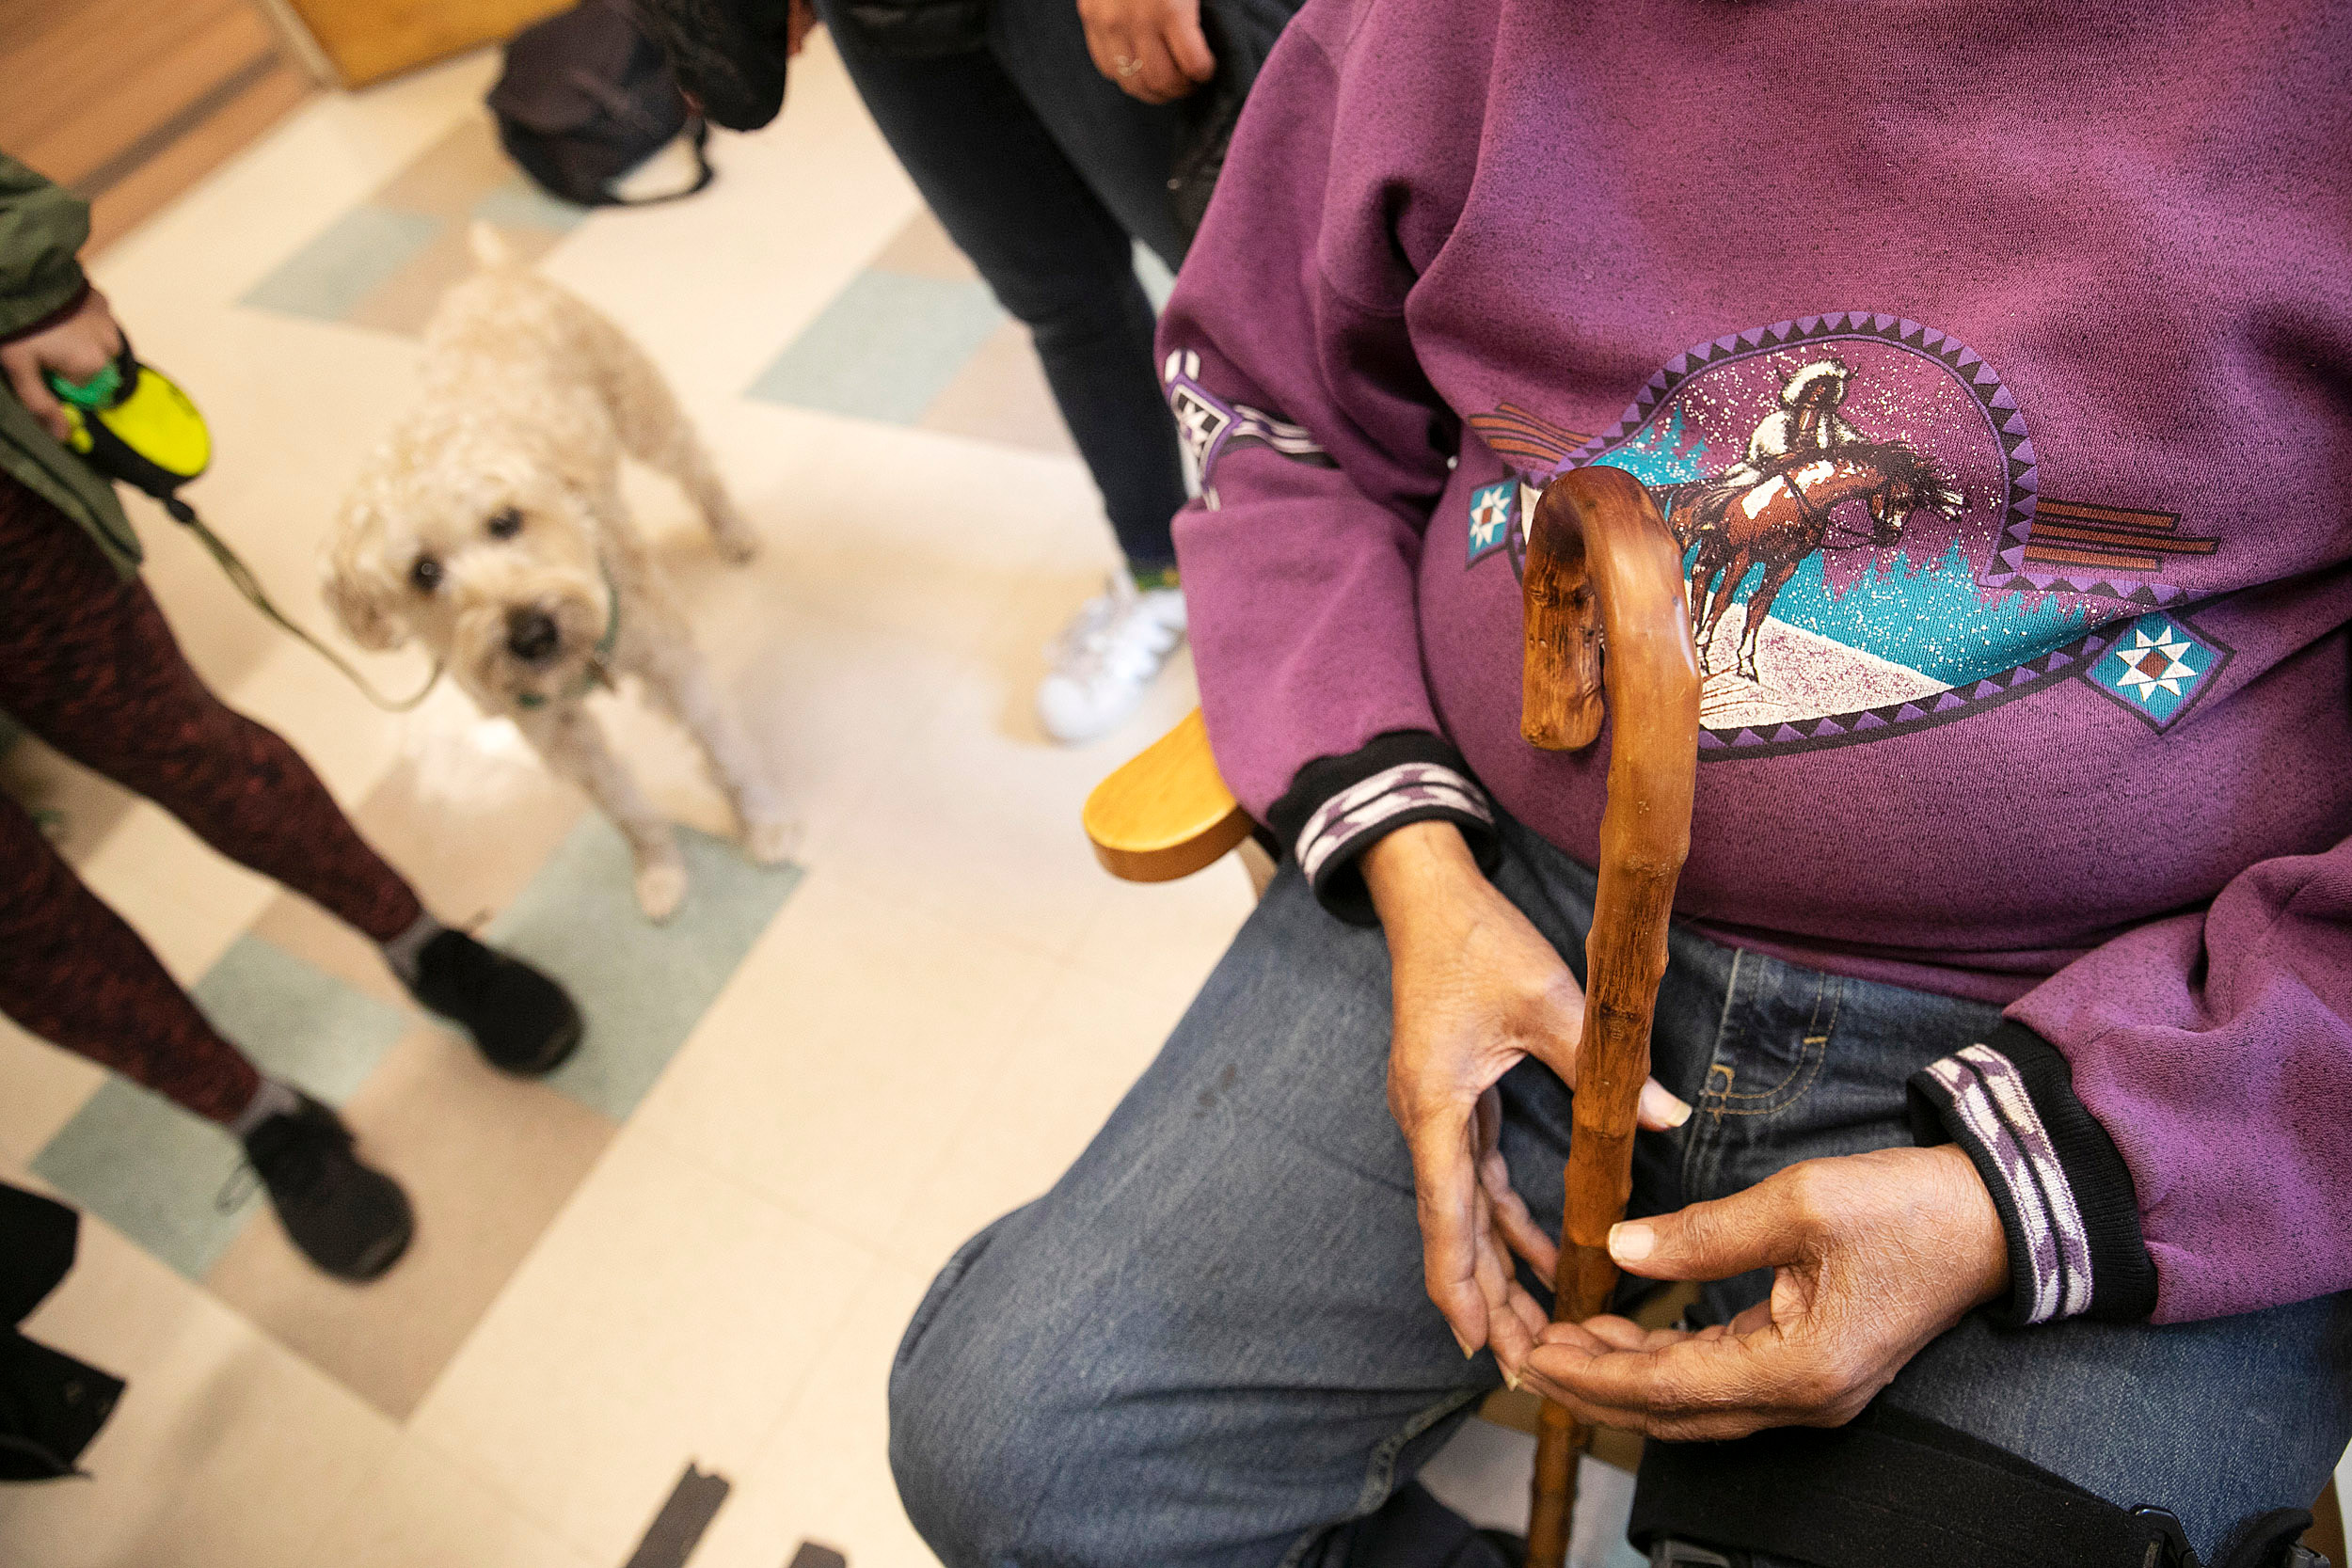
x,y
132,424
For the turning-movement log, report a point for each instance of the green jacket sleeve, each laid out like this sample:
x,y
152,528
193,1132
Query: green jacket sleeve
x,y
41,227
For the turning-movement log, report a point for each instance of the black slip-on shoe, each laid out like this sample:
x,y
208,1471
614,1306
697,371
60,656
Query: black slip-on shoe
x,y
352,1221
523,1022
729,55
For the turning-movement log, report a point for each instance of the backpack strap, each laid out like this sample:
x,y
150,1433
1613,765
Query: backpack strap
x,y
698,139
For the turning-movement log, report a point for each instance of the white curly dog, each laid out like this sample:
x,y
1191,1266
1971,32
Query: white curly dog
x,y
490,525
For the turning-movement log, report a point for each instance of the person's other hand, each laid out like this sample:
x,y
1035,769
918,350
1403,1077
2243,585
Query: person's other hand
x,y
797,24
1874,1255
1477,991
76,348
1152,49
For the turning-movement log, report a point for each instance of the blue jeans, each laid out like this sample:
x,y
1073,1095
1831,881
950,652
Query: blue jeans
x,y
1043,174
1209,1343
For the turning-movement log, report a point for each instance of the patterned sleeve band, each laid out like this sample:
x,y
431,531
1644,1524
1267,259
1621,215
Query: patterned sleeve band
x,y
1339,807
2064,1194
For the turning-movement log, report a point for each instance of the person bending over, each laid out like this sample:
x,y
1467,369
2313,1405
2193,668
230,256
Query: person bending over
x,y
87,664
1992,361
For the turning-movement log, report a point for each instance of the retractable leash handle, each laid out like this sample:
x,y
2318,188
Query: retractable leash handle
x,y
132,424
1608,619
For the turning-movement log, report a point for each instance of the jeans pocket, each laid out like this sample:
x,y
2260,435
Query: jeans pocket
x,y
1770,1051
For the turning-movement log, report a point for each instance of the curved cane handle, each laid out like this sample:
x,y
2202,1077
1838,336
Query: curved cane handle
x,y
1606,610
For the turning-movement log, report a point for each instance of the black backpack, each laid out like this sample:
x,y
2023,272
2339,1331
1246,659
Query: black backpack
x,y
586,97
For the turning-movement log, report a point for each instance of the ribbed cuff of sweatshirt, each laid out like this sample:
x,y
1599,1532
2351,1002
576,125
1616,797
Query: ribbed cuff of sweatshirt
x,y
1339,807
2065,1197
57,313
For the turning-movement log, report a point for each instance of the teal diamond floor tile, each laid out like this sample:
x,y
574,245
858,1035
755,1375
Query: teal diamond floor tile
x,y
297,1023
520,204
157,1174
884,349
329,277
153,1172
641,987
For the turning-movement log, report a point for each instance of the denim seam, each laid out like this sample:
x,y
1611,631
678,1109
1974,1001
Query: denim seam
x,y
1704,1152
1380,1474
1793,1088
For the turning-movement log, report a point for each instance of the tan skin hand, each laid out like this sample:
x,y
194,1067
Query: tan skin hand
x,y
1477,991
76,348
1874,1255
1159,43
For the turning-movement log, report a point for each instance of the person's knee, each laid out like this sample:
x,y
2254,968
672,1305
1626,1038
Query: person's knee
x,y
966,1463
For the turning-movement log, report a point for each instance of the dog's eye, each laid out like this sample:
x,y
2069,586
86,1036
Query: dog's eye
x,y
425,574
506,523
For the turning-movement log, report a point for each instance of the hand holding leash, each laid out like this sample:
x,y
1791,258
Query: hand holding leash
x,y
77,352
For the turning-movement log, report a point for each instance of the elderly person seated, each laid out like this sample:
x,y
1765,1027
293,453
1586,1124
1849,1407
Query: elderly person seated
x,y
1988,361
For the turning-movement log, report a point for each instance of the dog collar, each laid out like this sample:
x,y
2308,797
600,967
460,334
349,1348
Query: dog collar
x,y
597,672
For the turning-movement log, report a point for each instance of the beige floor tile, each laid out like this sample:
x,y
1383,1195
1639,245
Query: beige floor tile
x,y
853,1041
227,1448
487,1160
448,177
986,832
922,249
907,529
404,302
46,1086
185,898
421,1510
1077,1055
1001,395
1165,936
669,1315
823,1475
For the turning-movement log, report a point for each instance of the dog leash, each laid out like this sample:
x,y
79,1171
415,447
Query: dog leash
x,y
241,577
131,423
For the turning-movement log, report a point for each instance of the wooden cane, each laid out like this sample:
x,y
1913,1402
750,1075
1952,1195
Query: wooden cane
x,y
1606,607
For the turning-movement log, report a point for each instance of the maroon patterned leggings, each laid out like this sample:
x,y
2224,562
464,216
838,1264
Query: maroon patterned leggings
x,y
87,664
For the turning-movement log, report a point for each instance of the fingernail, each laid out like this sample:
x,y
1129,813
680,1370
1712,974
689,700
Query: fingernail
x,y
1660,1104
1510,1380
1468,1350
1632,1242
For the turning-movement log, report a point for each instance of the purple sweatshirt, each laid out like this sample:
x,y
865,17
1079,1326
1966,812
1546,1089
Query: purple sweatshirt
x,y
1995,361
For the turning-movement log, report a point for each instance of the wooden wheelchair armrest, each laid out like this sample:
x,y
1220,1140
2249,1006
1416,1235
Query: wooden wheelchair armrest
x,y
1165,813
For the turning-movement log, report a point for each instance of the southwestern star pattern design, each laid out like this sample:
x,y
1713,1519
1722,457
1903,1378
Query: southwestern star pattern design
x,y
2153,664
2156,666
1490,507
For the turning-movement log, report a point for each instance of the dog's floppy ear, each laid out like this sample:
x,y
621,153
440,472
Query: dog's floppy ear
x,y
363,596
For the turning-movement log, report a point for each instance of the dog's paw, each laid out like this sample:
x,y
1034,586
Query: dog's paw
x,y
661,889
770,840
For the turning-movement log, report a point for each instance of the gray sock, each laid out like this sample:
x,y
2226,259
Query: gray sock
x,y
403,951
272,1099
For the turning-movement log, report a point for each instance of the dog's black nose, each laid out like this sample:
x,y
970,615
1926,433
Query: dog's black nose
x,y
531,635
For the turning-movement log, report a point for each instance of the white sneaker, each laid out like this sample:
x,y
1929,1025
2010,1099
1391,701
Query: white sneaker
x,y
1106,659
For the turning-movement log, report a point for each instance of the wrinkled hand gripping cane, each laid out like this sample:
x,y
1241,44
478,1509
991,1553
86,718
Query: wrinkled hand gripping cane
x,y
1606,611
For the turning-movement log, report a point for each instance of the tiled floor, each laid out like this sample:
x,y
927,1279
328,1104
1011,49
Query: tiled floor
x,y
697,1245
